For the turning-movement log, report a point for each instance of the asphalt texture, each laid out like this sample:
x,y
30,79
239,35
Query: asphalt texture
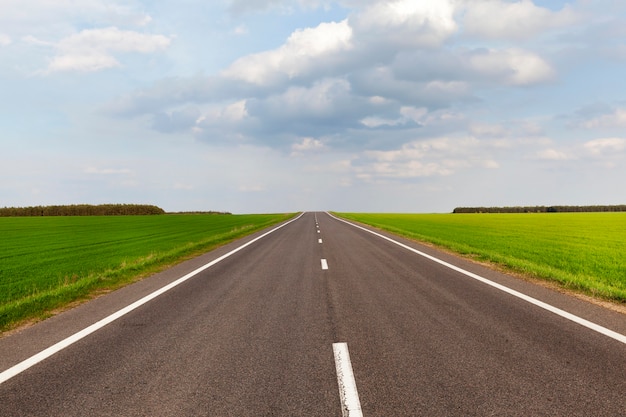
x,y
253,335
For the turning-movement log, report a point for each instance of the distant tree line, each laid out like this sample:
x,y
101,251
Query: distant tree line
x,y
199,212
540,209
82,210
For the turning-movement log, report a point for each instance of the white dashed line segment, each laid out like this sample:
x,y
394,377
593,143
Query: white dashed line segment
x,y
324,264
350,404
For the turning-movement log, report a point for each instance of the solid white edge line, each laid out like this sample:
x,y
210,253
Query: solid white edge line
x,y
569,316
324,264
350,404
46,353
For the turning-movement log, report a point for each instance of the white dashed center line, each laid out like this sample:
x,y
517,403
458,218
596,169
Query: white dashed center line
x,y
324,264
319,240
350,404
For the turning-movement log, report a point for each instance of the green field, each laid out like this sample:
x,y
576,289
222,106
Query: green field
x,y
585,252
48,262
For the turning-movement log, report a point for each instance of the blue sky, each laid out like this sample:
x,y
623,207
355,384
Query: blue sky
x,y
254,106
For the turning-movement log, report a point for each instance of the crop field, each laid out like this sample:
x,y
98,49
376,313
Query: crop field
x,y
581,251
47,262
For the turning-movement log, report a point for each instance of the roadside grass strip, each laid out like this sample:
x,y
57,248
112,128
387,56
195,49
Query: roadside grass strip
x,y
579,320
35,359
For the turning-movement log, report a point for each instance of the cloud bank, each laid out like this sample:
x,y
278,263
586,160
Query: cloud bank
x,y
348,77
452,98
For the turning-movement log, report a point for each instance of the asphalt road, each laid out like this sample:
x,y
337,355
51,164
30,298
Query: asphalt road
x,y
253,335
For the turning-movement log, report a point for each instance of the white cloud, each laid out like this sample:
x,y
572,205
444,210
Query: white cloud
x,y
404,169
378,100
405,23
49,18
235,112
307,145
241,30
180,119
406,113
252,188
107,171
605,146
94,49
426,158
332,78
4,40
85,62
327,99
496,19
228,116
615,119
456,72
413,113
386,82
448,88
376,121
304,49
553,155
487,130
387,97
606,150
238,7
511,66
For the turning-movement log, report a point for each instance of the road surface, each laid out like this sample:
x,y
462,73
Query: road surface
x,y
257,333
